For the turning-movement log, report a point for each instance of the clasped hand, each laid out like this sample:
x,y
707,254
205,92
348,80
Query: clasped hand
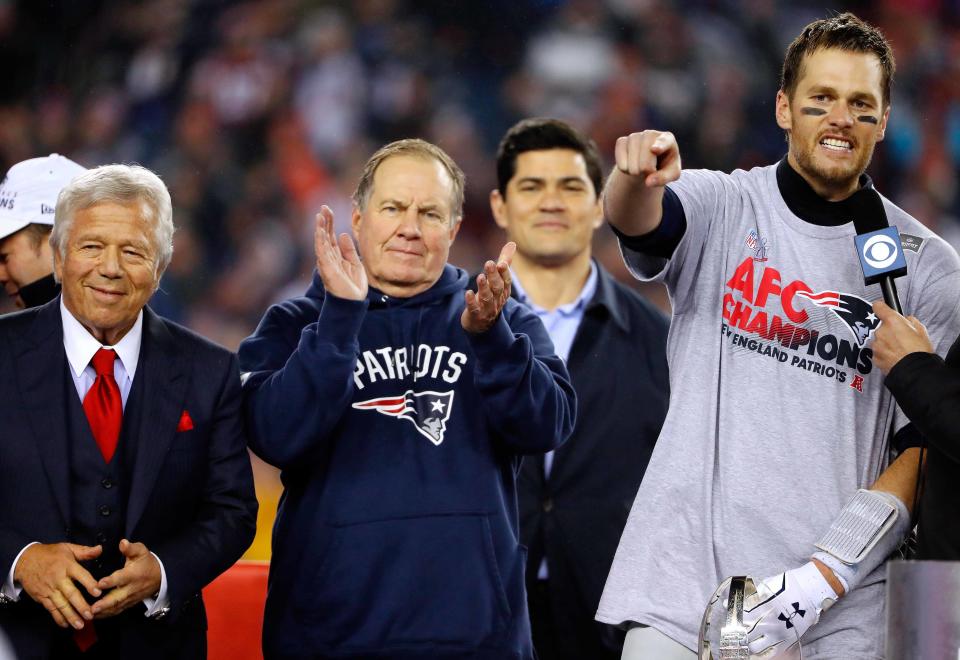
x,y
50,573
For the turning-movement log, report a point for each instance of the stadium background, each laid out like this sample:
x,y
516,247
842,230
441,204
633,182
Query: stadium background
x,y
255,113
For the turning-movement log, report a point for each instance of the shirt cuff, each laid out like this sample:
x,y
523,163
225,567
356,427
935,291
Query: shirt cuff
x,y
903,375
490,344
663,240
154,605
10,589
340,319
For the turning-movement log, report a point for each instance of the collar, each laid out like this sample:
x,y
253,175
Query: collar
x,y
606,298
451,280
810,207
571,308
80,345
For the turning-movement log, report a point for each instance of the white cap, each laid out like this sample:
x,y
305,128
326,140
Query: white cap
x,y
28,194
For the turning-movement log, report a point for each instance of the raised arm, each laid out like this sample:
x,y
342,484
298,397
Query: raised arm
x,y
527,395
298,372
645,163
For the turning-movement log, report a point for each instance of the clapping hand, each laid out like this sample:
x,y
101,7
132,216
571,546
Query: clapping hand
x,y
338,263
493,288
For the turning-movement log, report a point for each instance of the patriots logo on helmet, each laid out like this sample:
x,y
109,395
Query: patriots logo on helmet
x,y
854,311
428,411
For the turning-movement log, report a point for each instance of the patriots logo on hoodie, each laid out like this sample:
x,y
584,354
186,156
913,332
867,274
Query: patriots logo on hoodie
x,y
428,411
856,312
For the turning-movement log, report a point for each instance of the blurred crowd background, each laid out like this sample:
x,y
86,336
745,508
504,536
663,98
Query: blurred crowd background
x,y
257,112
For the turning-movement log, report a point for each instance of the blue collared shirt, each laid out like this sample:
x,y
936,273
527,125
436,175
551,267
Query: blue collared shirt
x,y
561,324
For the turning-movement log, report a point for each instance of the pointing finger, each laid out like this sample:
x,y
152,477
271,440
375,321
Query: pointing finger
x,y
660,144
620,154
638,154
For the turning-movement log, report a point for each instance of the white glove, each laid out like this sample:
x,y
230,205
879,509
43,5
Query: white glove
x,y
784,608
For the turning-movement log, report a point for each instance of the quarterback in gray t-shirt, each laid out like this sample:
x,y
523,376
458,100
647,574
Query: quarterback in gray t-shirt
x,y
777,415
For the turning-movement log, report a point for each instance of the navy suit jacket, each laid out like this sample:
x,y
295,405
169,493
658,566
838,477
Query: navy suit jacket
x,y
618,366
191,499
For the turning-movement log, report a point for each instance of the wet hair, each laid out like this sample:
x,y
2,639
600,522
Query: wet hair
x,y
843,32
539,134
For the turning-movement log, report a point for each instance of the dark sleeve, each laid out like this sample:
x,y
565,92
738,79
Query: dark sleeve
x,y
927,388
296,395
12,541
908,436
225,521
526,391
662,241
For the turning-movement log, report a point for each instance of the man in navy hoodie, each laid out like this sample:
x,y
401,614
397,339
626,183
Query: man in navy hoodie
x,y
397,404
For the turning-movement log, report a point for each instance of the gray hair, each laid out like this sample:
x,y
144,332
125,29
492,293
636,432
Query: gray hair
x,y
416,148
122,184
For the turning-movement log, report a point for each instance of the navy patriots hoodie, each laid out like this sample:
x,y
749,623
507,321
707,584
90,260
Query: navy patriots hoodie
x,y
399,437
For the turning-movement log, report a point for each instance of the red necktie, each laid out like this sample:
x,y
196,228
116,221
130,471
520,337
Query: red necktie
x,y
103,404
85,637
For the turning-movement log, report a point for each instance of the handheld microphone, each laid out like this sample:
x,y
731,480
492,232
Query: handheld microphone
x,y
878,246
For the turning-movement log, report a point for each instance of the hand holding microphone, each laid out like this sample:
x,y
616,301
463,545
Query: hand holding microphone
x,y
881,259
897,337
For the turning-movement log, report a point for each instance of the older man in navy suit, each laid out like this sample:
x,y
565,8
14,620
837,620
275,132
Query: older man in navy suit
x,y
125,485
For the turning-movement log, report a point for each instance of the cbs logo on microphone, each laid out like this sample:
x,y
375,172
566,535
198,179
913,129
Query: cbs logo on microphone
x,y
881,254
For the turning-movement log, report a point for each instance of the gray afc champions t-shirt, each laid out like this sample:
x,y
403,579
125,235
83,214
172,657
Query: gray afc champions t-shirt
x,y
777,413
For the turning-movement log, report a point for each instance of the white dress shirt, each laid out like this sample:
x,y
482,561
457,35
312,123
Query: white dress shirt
x,y
80,347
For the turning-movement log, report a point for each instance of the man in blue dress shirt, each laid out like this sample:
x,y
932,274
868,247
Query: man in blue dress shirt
x,y
574,501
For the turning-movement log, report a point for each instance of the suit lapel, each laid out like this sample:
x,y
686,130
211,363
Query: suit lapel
x,y
42,374
164,389
602,309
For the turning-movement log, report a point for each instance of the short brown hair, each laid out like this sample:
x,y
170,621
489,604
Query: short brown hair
x,y
37,233
418,149
844,32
